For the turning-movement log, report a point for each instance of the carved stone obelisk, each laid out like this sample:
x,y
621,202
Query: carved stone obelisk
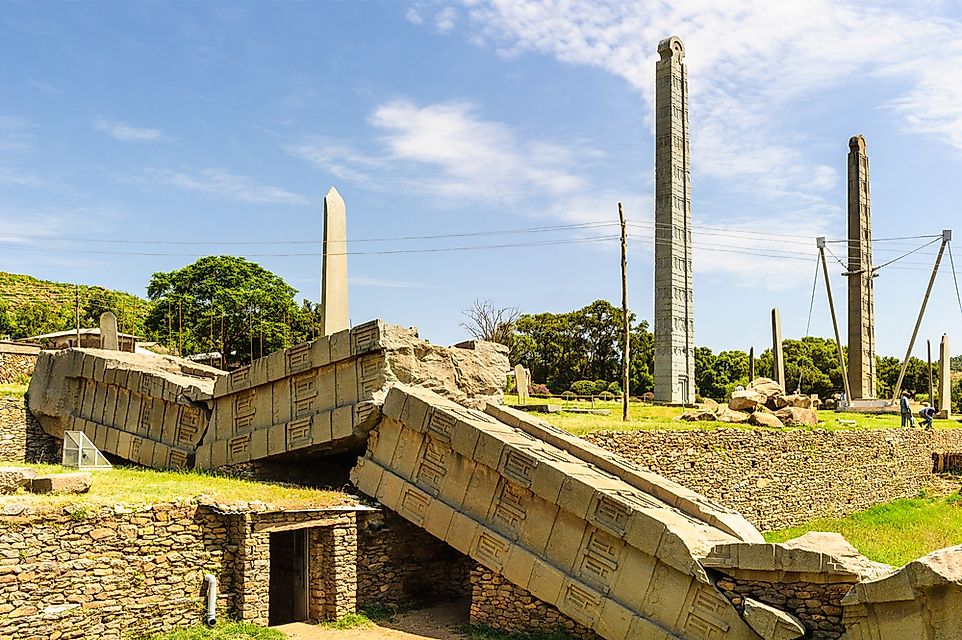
x,y
778,354
334,266
674,323
108,332
861,297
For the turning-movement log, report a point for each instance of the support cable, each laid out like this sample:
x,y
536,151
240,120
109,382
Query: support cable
x,y
811,309
955,278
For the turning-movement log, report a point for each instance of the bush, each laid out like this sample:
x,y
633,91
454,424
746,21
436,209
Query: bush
x,y
614,388
600,385
539,390
583,388
568,395
606,395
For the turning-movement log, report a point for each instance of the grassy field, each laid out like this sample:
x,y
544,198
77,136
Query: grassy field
x,y
228,631
12,390
645,417
894,533
130,485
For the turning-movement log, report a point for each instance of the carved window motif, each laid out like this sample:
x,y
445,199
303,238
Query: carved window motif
x,y
582,600
433,464
303,407
187,426
146,409
362,410
239,446
240,378
304,387
364,338
706,616
145,385
369,375
518,466
298,358
242,423
441,424
244,403
511,507
177,459
298,433
612,515
135,444
415,505
491,550
600,557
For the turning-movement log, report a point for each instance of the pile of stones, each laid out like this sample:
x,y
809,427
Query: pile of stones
x,y
764,403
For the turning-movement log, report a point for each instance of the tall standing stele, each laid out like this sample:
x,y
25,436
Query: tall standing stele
x,y
334,266
861,296
674,323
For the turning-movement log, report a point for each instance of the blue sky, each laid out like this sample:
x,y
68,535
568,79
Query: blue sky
x,y
207,122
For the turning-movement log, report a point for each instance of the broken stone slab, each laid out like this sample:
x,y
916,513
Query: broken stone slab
x,y
13,478
797,417
794,400
746,400
765,419
724,414
698,415
923,599
767,387
771,623
815,557
61,483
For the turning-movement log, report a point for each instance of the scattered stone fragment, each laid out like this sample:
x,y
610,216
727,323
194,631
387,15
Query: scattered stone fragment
x,y
797,417
724,414
747,400
764,419
794,400
767,387
697,415
770,623
62,483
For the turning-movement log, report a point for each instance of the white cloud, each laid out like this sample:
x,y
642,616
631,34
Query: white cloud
x,y
413,16
15,133
45,87
448,151
127,133
224,185
445,19
15,178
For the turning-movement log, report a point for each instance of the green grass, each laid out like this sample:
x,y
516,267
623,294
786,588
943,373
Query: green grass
x,y
481,632
350,621
896,532
132,485
644,417
12,390
225,631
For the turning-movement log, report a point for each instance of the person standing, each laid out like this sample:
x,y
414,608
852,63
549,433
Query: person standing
x,y
906,411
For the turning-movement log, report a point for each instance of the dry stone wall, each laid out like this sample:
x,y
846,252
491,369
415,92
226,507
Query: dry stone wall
x,y
112,573
22,439
779,479
16,367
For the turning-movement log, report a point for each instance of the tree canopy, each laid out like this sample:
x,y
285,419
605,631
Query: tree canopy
x,y
227,304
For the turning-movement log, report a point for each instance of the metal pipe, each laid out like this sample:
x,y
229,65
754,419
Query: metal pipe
x,y
211,580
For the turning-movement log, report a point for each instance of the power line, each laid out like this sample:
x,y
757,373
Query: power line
x,y
955,277
882,266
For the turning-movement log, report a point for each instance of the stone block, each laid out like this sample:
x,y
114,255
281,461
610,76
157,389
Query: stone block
x,y
340,345
771,623
342,423
61,483
323,427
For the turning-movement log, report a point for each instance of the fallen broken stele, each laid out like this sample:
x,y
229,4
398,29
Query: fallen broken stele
x,y
613,546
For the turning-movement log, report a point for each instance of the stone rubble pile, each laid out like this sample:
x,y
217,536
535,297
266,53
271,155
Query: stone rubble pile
x,y
764,404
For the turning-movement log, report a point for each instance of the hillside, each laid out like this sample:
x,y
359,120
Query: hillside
x,y
29,306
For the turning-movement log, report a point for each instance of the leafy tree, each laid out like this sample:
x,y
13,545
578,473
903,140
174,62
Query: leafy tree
x,y
223,303
583,387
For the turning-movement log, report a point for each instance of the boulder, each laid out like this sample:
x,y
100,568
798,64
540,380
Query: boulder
x,y
767,387
698,415
61,483
793,400
765,419
12,478
709,405
771,623
731,416
746,400
797,417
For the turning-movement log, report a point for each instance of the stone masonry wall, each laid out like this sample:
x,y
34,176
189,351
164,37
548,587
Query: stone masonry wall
x,y
110,573
22,439
400,563
15,367
498,604
817,606
778,479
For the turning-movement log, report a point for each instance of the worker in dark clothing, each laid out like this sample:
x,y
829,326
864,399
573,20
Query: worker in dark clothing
x,y
927,414
906,410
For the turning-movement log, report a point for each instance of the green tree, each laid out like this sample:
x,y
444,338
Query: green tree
x,y
222,302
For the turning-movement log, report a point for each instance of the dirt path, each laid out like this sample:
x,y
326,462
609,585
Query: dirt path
x,y
443,622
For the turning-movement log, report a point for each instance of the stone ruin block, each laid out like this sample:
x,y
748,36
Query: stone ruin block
x,y
610,556
148,409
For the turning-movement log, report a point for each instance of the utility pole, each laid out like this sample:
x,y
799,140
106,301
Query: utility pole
x,y
946,238
831,306
180,328
624,312
77,295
